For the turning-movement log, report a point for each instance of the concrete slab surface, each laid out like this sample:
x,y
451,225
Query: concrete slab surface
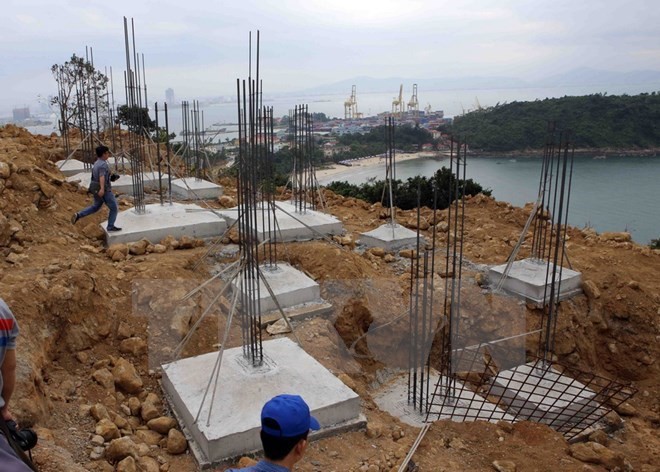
x,y
527,279
159,221
234,423
124,184
544,395
290,286
190,188
293,225
118,163
467,406
72,167
390,237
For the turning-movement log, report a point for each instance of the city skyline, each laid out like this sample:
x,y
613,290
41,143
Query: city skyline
x,y
199,50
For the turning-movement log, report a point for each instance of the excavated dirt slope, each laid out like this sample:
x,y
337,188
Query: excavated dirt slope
x,y
96,323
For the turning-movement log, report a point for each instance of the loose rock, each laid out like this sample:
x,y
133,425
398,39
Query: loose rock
x,y
176,442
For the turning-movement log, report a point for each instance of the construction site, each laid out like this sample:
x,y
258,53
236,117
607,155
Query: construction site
x,y
480,336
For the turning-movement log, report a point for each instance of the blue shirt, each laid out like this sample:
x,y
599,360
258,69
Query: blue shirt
x,y
261,466
101,168
8,335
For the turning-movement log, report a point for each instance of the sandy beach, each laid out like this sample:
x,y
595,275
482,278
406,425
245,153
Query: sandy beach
x,y
335,169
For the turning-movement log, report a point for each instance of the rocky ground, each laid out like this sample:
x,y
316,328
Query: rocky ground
x,y
96,323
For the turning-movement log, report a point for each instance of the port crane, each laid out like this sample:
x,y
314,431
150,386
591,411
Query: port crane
x,y
398,104
413,104
350,106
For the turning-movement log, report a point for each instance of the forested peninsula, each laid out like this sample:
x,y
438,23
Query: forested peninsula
x,y
599,121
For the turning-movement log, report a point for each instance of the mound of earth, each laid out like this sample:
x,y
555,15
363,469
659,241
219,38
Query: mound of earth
x,y
96,323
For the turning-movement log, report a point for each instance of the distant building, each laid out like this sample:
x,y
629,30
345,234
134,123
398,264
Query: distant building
x,y
169,96
21,114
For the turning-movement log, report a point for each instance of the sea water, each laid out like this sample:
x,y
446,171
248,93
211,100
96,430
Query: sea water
x,y
615,193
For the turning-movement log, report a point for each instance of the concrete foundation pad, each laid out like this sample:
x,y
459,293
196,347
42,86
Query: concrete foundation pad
x,y
290,286
72,167
119,164
190,188
527,279
159,221
390,237
124,184
542,394
466,406
298,312
293,225
233,428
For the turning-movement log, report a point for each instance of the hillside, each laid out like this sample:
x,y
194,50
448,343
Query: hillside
x,y
89,355
597,121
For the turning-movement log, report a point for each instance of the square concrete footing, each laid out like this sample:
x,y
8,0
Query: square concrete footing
x,y
390,237
72,167
124,184
527,280
293,225
234,424
290,286
465,406
159,221
119,164
190,188
539,393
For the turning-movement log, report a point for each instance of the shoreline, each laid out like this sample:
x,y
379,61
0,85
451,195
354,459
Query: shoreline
x,y
649,152
372,161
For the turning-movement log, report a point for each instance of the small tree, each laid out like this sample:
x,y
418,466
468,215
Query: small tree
x,y
136,119
82,92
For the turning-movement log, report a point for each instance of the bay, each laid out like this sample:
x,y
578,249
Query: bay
x,y
618,193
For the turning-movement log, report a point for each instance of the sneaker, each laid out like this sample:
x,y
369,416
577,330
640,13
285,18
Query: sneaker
x,y
75,218
114,228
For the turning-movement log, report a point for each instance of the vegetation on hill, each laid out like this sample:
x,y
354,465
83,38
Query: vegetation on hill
x,y
597,121
373,142
405,193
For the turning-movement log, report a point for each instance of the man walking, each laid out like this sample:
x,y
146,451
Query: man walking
x,y
101,176
285,424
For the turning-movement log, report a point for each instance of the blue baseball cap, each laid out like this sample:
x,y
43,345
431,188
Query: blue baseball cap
x,y
292,415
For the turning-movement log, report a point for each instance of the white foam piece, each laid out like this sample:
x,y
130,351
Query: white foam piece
x,y
159,221
72,167
527,279
390,237
293,225
234,424
544,395
465,406
290,286
191,188
124,184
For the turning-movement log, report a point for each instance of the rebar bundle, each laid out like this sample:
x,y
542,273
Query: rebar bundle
x,y
422,319
390,170
163,156
453,269
301,143
137,110
550,228
256,141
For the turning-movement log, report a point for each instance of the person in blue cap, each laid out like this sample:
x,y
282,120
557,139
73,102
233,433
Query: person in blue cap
x,y
285,424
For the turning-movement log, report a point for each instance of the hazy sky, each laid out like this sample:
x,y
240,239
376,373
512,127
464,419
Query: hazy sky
x,y
200,47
